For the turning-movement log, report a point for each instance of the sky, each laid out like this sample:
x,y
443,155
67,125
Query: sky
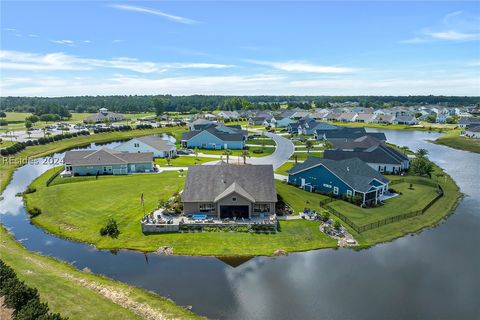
x,y
62,48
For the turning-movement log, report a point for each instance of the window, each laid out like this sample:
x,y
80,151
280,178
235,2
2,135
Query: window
x,y
234,199
206,207
349,193
261,207
136,145
335,190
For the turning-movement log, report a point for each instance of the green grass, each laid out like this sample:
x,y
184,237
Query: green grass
x,y
453,139
72,293
284,168
409,200
183,161
301,156
266,142
6,143
75,210
297,198
266,151
10,164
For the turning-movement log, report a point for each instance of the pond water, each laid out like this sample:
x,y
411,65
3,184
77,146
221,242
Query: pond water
x,y
430,275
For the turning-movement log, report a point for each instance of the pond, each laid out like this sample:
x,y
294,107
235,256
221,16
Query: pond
x,y
433,274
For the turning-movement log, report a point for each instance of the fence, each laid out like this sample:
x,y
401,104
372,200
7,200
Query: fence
x,y
57,172
378,224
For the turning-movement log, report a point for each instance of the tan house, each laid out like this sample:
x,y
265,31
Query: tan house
x,y
230,191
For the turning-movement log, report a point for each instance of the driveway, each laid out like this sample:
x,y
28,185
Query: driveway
x,y
282,153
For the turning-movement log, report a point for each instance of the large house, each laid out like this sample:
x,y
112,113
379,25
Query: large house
x,y
200,124
231,115
103,115
379,157
343,133
106,162
408,120
343,178
472,131
161,147
215,137
230,191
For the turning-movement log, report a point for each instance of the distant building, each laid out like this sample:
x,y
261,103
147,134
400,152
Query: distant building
x,y
103,115
159,146
472,131
215,137
106,162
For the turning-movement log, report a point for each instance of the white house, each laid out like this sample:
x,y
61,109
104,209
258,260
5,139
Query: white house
x,y
162,147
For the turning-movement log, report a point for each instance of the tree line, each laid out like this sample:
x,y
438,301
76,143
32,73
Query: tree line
x,y
62,106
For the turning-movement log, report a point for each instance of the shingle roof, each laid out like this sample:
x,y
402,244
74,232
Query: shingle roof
x,y
379,154
356,173
206,183
105,157
157,143
362,142
224,136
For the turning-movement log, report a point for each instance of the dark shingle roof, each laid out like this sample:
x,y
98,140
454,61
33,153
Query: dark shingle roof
x,y
206,183
157,143
380,154
105,157
356,173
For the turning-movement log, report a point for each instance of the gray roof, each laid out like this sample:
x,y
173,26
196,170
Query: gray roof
x,y
354,172
105,157
102,116
157,142
362,142
405,119
379,154
210,183
224,136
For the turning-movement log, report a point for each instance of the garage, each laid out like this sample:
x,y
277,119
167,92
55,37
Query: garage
x,y
233,211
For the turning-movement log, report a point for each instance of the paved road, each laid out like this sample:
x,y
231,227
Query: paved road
x,y
282,153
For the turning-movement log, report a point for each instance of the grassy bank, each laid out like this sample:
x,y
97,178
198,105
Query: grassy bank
x,y
453,139
10,164
80,295
75,210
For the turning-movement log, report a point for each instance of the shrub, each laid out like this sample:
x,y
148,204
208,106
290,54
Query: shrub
x,y
33,212
110,229
337,225
257,151
30,189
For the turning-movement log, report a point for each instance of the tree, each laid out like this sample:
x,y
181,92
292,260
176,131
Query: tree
x,y
33,118
227,153
28,125
431,118
3,114
159,106
422,166
244,155
422,152
110,229
295,157
309,145
337,225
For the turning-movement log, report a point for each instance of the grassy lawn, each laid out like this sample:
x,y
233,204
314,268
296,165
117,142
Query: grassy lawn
x,y
81,295
6,143
11,163
183,161
266,151
284,168
266,142
301,156
297,198
409,200
453,139
75,210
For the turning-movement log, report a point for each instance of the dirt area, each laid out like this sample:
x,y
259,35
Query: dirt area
x,y
5,313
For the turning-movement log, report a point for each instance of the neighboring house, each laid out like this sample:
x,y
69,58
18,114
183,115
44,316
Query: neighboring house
x,y
257,121
408,120
310,126
333,116
221,137
283,122
473,131
379,157
385,118
347,117
363,142
231,115
365,117
159,146
300,114
343,178
463,122
103,115
230,191
200,124
106,162
347,133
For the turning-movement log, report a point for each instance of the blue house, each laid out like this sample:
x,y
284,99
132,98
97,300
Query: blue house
x,y
343,178
106,162
219,137
283,122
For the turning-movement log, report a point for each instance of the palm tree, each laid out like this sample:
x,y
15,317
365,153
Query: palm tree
x,y
227,153
309,145
244,155
295,157
422,152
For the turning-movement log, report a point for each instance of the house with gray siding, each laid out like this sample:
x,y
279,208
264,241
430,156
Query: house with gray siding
x,y
230,191
215,137
161,147
342,178
106,162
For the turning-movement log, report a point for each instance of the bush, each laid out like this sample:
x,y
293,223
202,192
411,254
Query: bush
x,y
110,229
257,151
30,189
33,212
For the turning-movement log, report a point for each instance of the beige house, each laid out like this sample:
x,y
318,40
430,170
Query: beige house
x,y
230,191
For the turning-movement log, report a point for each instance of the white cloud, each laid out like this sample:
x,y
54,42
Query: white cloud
x,y
58,61
453,35
298,66
32,35
67,42
154,12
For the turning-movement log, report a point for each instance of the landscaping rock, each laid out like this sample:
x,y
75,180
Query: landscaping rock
x,y
280,252
165,251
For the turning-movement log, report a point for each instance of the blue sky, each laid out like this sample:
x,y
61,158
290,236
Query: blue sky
x,y
239,48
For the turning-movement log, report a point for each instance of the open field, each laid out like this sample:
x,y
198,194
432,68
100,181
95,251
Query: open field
x,y
82,295
73,210
183,161
453,139
9,164
410,200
